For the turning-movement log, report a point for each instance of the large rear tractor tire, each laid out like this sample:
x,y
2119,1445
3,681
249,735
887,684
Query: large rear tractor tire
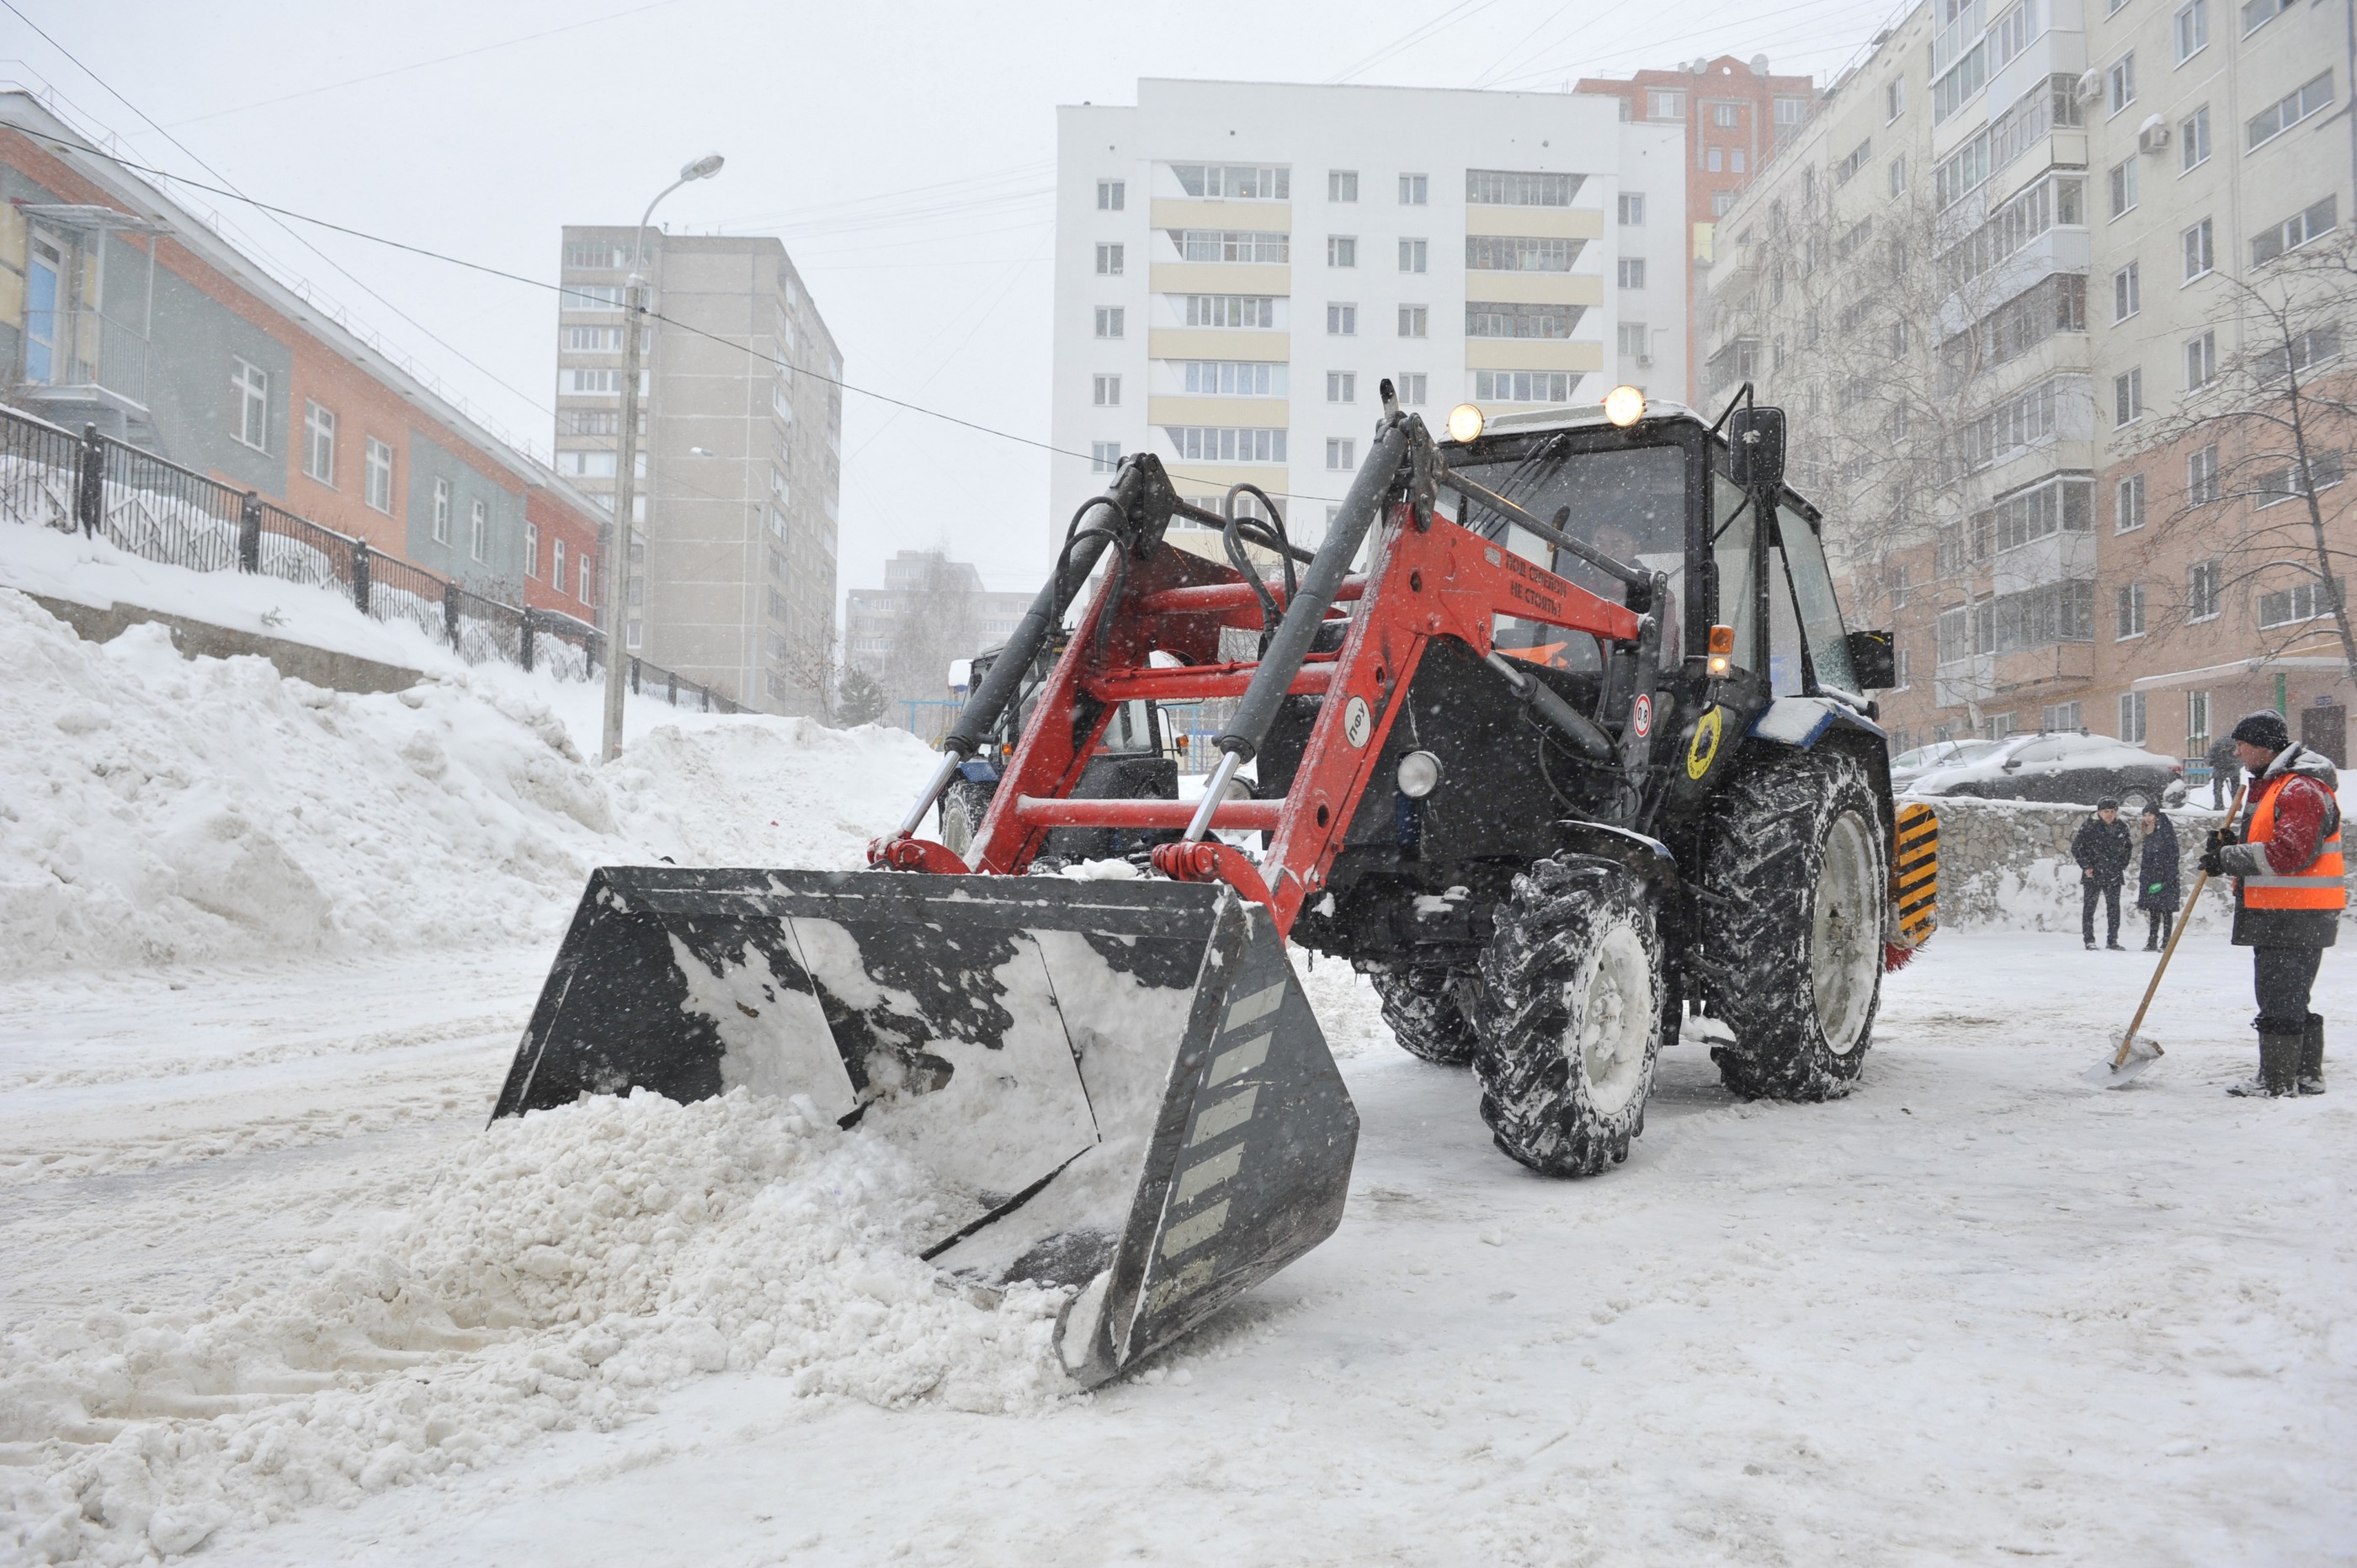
x,y
1797,847
1426,1010
1574,1005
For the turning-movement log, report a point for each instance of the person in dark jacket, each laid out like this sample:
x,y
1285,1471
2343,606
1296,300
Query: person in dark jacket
x,y
2225,772
2101,847
2157,890
2289,891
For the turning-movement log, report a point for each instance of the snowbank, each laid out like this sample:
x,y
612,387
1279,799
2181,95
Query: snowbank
x,y
157,810
567,1267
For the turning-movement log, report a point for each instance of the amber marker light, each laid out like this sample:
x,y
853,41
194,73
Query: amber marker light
x,y
1624,406
1465,422
1722,648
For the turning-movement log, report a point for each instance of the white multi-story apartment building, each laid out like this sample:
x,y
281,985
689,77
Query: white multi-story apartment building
x,y
1994,280
1240,266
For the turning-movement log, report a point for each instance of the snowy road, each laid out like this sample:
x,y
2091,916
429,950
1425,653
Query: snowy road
x,y
1975,1312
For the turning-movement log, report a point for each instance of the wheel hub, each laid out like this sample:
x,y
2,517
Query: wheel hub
x,y
1846,935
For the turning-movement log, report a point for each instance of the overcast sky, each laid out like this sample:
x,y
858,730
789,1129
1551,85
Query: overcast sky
x,y
904,154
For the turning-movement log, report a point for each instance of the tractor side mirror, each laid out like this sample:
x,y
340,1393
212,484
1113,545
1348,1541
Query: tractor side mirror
x,y
1872,660
1755,447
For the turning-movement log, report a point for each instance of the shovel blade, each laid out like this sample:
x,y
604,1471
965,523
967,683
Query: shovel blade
x,y
1117,1086
2120,1068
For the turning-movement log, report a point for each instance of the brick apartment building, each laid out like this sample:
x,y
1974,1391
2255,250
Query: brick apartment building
x,y
123,310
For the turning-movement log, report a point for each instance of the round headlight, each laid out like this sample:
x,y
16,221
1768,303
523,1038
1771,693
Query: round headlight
x,y
1465,422
1419,775
1624,406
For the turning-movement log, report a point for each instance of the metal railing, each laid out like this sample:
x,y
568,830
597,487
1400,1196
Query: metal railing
x,y
152,508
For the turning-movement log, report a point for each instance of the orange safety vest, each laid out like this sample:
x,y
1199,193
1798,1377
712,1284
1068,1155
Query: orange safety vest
x,y
2319,886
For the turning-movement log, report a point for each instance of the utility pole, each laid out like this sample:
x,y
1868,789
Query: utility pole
x,y
619,571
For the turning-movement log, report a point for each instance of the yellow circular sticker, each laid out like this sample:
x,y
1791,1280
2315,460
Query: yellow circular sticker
x,y
1704,748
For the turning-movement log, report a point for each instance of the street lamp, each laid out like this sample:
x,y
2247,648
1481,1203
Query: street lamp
x,y
618,571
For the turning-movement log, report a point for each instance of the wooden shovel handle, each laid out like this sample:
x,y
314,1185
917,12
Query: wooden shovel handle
x,y
2175,936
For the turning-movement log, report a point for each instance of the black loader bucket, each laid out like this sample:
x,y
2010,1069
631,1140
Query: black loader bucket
x,y
1119,1084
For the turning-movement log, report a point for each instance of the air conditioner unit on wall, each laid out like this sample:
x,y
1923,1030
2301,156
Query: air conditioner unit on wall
x,y
2091,86
1644,361
2152,136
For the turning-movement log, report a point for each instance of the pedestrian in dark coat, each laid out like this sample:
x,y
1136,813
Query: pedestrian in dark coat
x,y
2225,771
2157,889
2103,849
2290,887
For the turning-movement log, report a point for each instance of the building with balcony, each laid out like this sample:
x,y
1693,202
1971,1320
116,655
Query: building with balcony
x,y
121,309
740,445
1240,266
930,612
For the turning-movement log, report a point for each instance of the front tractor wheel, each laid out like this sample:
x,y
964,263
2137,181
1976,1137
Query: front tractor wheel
x,y
1799,849
1574,1007
1426,1009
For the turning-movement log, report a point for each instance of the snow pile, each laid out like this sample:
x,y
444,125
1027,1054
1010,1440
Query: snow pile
x,y
570,1265
156,809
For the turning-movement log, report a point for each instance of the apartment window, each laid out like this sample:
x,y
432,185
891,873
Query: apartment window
x,y
2202,595
1109,259
441,511
2197,721
2289,482
1413,255
2190,27
2127,396
2298,230
2128,293
596,254
556,565
2127,504
532,550
2257,14
1230,245
1343,185
607,383
590,297
1341,386
1233,378
1415,189
1230,310
2289,110
1735,159
1525,386
1723,115
1894,98
1342,454
1104,456
2201,256
1113,195
2194,140
319,443
1627,109
377,487
2123,188
1856,160
1341,250
593,339
2128,612
2119,84
2201,361
1111,320
1514,254
478,531
1108,392
1633,209
1665,105
250,385
1710,157
1634,340
1632,272
1410,388
1343,321
1517,188
1722,202
2302,601
2201,475
1415,320
636,634
1899,174
1220,444
2132,703
2062,716
1488,318
588,594
2317,345
1234,183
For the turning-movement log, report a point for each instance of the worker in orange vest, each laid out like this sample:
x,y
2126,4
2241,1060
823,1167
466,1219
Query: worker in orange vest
x,y
2285,858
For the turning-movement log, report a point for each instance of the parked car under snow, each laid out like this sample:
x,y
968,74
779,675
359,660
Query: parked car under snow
x,y
1910,765
2079,769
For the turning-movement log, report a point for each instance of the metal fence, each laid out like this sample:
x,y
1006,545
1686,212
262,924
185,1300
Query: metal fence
x,y
155,509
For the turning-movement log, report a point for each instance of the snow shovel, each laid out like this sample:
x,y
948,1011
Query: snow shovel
x,y
1114,1087
2133,1054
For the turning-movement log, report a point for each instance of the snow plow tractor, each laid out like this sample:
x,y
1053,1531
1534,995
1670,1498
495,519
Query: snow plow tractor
x,y
1557,733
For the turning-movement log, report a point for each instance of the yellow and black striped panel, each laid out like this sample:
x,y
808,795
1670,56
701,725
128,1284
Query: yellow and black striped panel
x,y
1915,874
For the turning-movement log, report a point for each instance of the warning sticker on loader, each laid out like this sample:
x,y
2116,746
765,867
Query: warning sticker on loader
x,y
1703,750
1915,874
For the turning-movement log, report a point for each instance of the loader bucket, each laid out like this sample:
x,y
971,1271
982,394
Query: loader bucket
x,y
1119,1085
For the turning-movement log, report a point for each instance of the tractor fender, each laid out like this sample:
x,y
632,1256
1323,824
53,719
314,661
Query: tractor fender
x,y
1802,721
1649,858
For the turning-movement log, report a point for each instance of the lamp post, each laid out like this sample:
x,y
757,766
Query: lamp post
x,y
618,569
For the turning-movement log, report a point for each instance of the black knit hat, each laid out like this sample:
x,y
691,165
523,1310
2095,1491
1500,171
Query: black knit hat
x,y
2264,729
2108,803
